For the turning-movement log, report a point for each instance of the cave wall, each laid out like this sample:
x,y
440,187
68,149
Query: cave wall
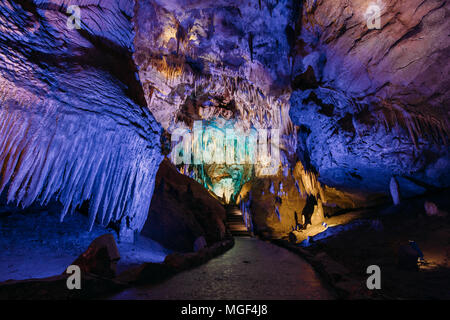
x,y
366,104
209,60
373,103
182,211
82,110
293,199
73,121
200,59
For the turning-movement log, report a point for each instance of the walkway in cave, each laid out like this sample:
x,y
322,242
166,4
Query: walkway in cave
x,y
235,222
252,269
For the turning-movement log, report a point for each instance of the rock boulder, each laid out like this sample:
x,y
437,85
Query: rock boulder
x,y
182,211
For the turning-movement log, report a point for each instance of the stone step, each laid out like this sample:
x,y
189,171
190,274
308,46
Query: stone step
x,y
235,223
238,229
240,223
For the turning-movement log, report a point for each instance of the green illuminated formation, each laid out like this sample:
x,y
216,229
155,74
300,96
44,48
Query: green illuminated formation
x,y
222,155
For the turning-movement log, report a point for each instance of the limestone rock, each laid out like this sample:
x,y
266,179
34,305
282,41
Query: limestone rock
x,y
73,110
395,191
298,236
199,243
182,211
126,234
378,105
206,60
318,216
100,258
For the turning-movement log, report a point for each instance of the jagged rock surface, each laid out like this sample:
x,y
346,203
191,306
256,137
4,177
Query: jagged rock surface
x,y
370,104
73,122
203,60
75,118
199,60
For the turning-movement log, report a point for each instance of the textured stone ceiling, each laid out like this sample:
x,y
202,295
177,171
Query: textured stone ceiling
x,y
368,104
214,58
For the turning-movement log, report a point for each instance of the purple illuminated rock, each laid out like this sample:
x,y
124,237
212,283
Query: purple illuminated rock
x,y
377,102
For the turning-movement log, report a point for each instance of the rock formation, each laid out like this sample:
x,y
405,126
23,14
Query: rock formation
x,y
354,102
395,191
73,121
182,212
100,258
215,59
371,103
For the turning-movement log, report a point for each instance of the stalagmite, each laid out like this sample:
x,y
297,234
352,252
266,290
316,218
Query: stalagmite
x,y
318,215
395,191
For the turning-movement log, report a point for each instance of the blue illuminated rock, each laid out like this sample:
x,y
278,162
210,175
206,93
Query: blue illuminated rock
x,y
82,109
73,120
372,103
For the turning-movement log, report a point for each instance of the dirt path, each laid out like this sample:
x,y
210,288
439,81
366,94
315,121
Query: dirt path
x,y
252,269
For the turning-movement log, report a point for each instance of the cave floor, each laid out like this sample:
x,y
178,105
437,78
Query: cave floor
x,y
34,244
380,247
252,269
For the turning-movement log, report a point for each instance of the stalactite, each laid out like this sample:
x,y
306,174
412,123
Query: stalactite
x,y
278,214
49,150
416,125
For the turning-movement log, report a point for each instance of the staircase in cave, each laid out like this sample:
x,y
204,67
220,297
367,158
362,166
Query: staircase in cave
x,y
235,222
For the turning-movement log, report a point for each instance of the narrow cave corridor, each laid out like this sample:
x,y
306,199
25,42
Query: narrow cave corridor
x,y
224,150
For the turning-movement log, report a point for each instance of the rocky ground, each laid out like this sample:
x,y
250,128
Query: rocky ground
x,y
36,245
375,239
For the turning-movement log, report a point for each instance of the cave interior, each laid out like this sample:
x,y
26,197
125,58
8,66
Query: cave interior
x,y
143,133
